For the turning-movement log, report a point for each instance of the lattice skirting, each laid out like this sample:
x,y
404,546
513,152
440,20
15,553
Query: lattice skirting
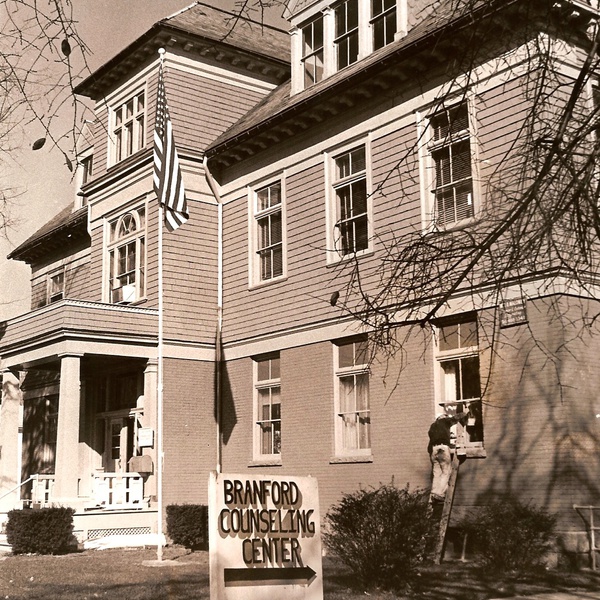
x,y
94,534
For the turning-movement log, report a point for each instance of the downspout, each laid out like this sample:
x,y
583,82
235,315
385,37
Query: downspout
x,y
218,339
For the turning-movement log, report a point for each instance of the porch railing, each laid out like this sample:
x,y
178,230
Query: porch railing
x,y
118,490
41,490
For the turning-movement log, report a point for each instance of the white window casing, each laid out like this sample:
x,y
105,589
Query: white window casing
x,y
125,251
448,165
267,441
352,407
267,258
349,211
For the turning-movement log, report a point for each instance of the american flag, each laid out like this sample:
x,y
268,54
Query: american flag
x,y
168,184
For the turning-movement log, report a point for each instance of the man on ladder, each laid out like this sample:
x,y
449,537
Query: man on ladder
x,y
440,435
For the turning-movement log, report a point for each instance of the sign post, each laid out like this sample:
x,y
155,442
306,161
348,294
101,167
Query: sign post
x,y
265,538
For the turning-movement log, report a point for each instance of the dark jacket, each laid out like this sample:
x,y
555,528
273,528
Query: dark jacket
x,y
439,432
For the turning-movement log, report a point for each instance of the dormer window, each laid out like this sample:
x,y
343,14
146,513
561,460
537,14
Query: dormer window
x,y
312,51
336,36
346,33
383,22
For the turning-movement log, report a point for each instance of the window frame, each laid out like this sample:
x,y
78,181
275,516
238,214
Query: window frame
x,y
346,37
384,15
52,293
125,141
362,369
139,237
460,354
335,253
259,456
256,214
428,146
315,51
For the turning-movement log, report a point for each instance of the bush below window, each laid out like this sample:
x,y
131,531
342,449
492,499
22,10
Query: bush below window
x,y
41,531
382,534
511,536
187,525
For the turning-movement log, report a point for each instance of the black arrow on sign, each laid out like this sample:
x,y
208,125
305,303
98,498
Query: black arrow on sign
x,y
269,576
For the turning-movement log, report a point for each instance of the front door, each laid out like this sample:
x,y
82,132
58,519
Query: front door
x,y
119,443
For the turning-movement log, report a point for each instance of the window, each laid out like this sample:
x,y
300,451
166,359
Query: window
x,y
129,128
312,51
127,257
269,232
267,388
87,166
383,22
346,33
56,286
450,151
350,189
353,411
458,362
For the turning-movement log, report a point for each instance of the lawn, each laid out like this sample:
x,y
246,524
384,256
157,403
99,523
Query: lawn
x,y
120,573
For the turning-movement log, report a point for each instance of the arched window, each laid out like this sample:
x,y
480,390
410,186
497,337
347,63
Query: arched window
x,y
127,257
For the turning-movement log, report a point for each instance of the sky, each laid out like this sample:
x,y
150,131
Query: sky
x,y
41,177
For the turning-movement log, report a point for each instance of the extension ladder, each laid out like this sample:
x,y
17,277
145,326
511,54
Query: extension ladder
x,y
446,511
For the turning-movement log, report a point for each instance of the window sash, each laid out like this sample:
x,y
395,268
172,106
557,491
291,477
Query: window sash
x,y
313,52
352,201
56,287
346,31
130,127
269,420
450,152
383,22
353,411
269,232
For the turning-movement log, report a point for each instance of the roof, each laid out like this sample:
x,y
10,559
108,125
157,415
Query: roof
x,y
279,105
64,227
207,25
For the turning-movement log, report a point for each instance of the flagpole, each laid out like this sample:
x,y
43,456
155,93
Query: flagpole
x,y
159,400
218,342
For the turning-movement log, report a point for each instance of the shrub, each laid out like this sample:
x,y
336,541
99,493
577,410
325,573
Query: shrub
x,y
511,536
41,531
187,524
381,534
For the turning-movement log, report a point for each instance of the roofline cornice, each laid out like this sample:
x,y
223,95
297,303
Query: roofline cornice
x,y
163,34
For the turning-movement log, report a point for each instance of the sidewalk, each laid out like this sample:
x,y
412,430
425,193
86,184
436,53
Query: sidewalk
x,y
558,596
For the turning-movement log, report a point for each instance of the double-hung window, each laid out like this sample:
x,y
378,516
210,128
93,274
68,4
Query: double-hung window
x,y
312,51
450,151
353,408
346,33
350,190
268,217
129,127
383,22
267,396
127,257
459,377
56,286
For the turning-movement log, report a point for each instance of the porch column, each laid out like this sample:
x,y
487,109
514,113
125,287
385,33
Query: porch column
x,y
151,418
67,435
11,433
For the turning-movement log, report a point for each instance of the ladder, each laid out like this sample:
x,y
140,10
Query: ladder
x,y
592,528
446,511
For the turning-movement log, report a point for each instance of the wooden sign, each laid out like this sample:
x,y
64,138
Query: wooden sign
x,y
264,538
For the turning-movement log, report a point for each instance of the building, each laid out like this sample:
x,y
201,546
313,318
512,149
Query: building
x,y
298,180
